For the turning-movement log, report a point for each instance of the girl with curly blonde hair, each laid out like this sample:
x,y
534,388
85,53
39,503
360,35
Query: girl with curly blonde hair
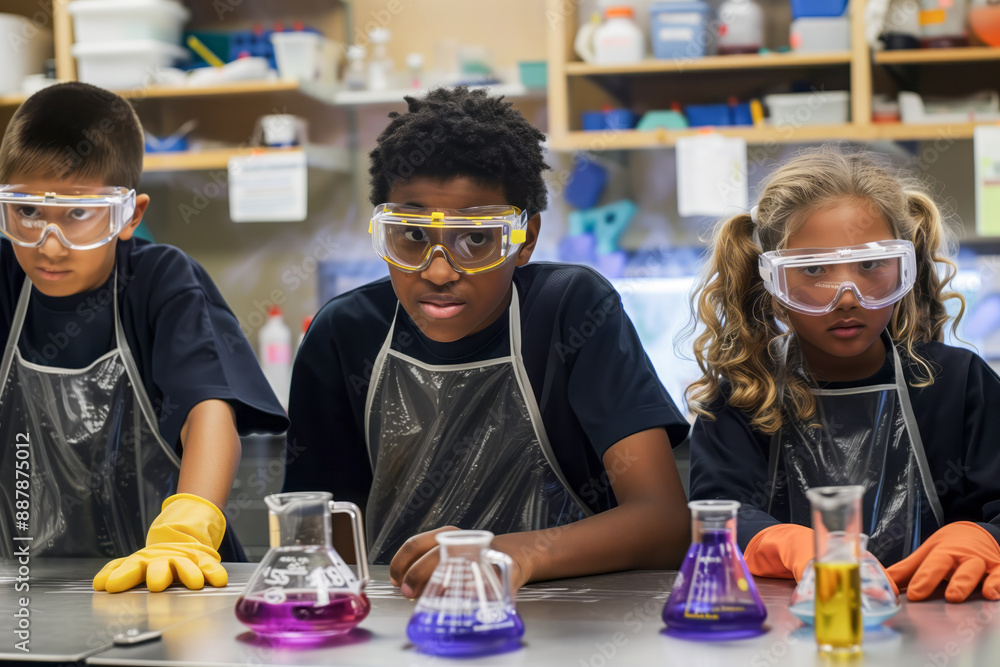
x,y
822,315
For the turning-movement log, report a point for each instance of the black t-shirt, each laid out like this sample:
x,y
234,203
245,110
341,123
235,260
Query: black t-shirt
x,y
187,344
588,371
959,424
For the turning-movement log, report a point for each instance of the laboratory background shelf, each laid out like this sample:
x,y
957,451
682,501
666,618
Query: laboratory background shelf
x,y
575,87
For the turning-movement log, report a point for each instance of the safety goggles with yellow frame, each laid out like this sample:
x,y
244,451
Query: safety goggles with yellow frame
x,y
473,240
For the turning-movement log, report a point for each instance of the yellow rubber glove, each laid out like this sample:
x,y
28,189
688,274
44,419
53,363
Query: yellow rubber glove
x,y
183,542
963,552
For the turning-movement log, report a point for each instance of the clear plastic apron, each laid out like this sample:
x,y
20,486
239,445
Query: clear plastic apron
x,y
868,436
459,445
99,469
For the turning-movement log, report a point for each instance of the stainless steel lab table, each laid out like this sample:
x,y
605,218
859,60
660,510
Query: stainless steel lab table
x,y
589,622
67,620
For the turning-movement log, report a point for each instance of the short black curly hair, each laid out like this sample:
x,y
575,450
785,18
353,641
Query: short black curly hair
x,y
455,132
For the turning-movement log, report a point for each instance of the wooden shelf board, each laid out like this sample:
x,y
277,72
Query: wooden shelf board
x,y
630,139
680,65
635,139
333,159
12,99
937,56
913,132
316,91
395,96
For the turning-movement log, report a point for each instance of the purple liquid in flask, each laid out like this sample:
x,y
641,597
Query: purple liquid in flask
x,y
714,596
465,610
301,617
446,634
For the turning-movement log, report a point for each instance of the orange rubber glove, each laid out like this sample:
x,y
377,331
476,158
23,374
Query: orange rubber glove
x,y
183,542
961,552
780,551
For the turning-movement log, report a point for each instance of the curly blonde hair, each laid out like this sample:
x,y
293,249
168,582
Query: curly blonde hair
x,y
741,319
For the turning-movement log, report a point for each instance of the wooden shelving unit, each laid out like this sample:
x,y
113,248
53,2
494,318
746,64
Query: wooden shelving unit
x,y
576,86
937,56
710,63
321,157
316,92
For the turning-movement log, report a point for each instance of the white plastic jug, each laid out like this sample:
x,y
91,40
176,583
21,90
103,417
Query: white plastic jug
x,y
24,49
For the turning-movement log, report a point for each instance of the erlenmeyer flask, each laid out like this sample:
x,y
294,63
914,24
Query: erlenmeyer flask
x,y
714,596
465,609
303,590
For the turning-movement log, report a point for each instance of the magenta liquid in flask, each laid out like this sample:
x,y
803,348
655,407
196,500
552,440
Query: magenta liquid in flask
x,y
714,595
303,591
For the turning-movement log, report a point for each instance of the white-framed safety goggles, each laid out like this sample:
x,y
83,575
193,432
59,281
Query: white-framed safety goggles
x,y
473,240
813,280
81,218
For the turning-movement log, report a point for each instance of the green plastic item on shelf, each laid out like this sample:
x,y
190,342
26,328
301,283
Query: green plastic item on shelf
x,y
670,120
534,74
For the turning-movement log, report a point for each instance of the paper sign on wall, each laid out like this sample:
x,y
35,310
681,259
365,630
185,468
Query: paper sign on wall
x,y
711,175
268,187
986,151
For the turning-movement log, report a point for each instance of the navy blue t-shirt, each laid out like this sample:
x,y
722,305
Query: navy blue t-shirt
x,y
959,424
186,342
588,371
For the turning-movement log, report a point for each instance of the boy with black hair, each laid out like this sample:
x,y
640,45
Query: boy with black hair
x,y
119,355
415,397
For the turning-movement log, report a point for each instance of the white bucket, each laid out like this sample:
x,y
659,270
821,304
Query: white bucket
x,y
115,21
24,48
124,65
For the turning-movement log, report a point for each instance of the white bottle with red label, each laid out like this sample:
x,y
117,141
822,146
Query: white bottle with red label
x,y
618,40
741,28
275,343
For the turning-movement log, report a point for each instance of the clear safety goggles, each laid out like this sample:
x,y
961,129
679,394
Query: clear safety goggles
x,y
473,240
813,280
81,219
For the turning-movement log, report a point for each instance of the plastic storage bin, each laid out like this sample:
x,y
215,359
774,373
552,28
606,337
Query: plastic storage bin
x,y
304,56
111,20
701,115
679,29
609,119
733,113
814,35
818,8
817,107
123,65
534,74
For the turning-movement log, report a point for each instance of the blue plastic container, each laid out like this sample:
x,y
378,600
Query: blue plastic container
x,y
612,119
679,29
586,184
619,119
701,115
593,121
739,114
802,8
716,115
